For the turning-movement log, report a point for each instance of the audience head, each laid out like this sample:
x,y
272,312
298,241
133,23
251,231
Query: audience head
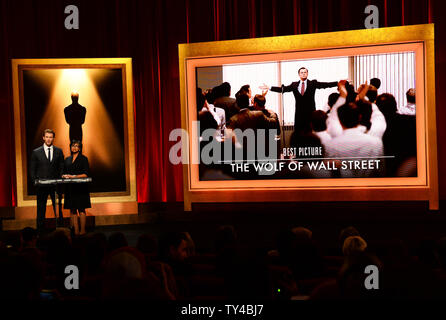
x,y
332,98
125,262
387,105
225,89
242,101
173,246
410,95
29,237
58,247
303,73
147,244
375,82
303,235
116,240
209,96
352,276
319,120
259,102
372,93
95,251
351,93
353,245
244,90
365,110
347,232
349,115
226,237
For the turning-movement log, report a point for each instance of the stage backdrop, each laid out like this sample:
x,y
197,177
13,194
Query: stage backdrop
x,y
149,32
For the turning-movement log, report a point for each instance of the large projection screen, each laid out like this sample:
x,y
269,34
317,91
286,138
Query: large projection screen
x,y
403,57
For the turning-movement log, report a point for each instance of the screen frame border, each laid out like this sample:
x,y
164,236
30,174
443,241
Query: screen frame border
x,y
422,187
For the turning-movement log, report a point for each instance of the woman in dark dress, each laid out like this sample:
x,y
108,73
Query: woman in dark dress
x,y
77,196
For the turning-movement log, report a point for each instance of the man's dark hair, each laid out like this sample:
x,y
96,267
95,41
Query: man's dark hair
x,y
375,82
244,90
28,234
225,89
349,115
49,131
301,69
410,95
318,120
332,98
365,109
242,101
387,105
170,239
207,121
209,96
372,93
351,93
260,100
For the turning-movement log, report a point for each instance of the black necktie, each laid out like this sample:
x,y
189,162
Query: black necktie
x,y
49,154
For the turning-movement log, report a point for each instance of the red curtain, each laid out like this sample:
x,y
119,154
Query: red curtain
x,y
149,32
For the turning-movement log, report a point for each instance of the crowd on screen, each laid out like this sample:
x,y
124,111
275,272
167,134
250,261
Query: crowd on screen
x,y
170,267
355,123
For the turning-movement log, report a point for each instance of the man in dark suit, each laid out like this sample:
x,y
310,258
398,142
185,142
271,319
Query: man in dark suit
x,y
46,163
75,117
303,91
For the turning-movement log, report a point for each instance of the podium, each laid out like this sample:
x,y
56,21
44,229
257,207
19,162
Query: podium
x,y
58,183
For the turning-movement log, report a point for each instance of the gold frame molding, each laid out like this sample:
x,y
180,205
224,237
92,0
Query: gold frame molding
x,y
125,64
418,38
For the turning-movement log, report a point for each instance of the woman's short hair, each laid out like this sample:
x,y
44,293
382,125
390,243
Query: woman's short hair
x,y
79,143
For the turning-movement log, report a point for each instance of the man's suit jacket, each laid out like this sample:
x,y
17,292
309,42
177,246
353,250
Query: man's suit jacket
x,y
41,168
228,104
305,104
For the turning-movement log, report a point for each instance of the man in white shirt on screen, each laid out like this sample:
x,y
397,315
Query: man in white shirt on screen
x,y
353,143
378,123
409,108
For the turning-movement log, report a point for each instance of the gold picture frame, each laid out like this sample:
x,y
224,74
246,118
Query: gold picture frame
x,y
125,64
417,38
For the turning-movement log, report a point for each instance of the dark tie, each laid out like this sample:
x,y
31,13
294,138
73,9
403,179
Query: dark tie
x,y
302,90
49,154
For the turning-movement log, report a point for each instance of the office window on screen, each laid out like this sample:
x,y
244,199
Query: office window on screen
x,y
255,74
395,70
285,72
324,70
